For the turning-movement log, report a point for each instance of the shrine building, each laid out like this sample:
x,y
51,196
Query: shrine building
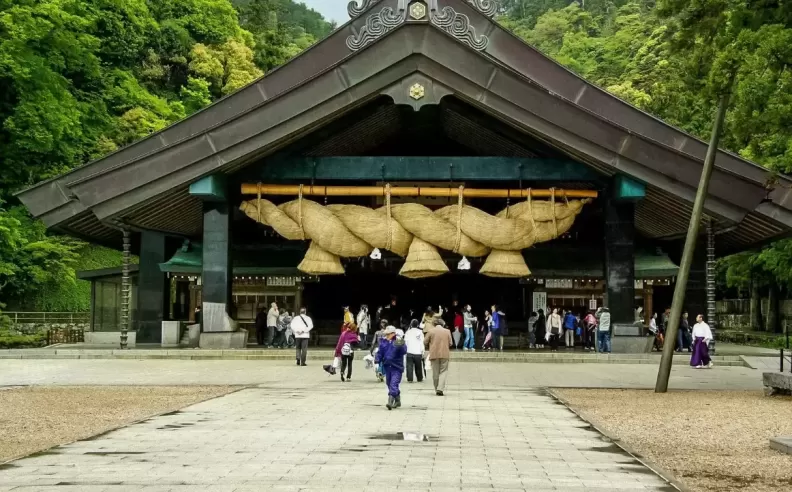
x,y
419,152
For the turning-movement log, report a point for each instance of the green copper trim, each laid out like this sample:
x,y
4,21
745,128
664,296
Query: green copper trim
x,y
212,188
421,168
627,189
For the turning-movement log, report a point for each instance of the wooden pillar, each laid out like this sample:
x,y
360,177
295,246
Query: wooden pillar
x,y
217,275
648,302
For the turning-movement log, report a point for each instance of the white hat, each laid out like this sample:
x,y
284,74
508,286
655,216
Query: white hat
x,y
390,329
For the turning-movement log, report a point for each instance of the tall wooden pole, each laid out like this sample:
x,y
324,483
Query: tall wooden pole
x,y
690,246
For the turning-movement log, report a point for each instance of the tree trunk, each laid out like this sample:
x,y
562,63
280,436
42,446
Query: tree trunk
x,y
772,309
756,307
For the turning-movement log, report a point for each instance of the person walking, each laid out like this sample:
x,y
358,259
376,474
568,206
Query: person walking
x,y
391,354
684,340
438,341
555,330
496,328
272,323
468,321
532,329
702,335
428,319
658,335
589,330
363,324
378,336
487,329
348,317
284,321
541,328
345,349
261,326
459,326
302,325
603,330
414,339
569,330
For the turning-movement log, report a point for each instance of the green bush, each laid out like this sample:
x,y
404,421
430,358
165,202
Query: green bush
x,y
9,340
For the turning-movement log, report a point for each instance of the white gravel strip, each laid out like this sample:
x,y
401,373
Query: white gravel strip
x,y
710,440
37,418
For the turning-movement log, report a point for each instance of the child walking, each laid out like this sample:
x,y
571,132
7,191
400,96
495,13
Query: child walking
x,y
391,353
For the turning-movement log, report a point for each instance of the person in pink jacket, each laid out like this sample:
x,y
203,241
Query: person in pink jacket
x,y
345,350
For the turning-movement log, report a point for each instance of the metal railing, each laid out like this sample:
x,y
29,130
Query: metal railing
x,y
20,317
782,358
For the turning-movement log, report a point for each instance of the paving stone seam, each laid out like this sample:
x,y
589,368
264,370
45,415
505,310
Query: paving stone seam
x,y
669,477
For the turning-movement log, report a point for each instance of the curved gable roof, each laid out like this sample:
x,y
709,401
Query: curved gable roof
x,y
480,62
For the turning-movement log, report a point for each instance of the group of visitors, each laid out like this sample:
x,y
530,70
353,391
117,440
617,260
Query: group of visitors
x,y
273,327
426,343
695,340
568,326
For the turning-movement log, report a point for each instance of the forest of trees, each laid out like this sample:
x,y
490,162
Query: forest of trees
x,y
86,77
81,78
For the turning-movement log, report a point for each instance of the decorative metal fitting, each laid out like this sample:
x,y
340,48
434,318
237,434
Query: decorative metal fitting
x,y
417,91
418,10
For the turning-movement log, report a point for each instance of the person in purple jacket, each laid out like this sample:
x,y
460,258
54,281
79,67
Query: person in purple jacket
x,y
391,353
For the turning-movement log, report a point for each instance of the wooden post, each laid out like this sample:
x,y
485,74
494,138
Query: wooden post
x,y
664,373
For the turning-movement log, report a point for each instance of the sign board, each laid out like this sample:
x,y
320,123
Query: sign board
x,y
593,304
560,283
539,301
281,281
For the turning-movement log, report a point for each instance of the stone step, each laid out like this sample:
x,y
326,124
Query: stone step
x,y
324,354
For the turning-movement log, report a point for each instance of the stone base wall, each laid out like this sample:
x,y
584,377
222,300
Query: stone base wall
x,y
735,314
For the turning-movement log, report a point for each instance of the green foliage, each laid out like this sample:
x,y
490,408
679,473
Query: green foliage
x,y
281,29
31,261
82,78
10,339
672,60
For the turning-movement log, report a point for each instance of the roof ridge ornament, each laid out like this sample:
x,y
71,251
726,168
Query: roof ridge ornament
x,y
357,7
486,7
377,25
458,25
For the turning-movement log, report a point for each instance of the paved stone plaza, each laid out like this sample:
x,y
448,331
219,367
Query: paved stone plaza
x,y
298,429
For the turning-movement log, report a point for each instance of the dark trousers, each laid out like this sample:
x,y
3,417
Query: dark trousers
x,y
496,339
346,364
280,338
302,349
588,338
260,334
415,363
554,341
270,335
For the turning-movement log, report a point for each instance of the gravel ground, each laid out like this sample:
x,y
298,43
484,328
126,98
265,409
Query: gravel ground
x,y
718,440
37,418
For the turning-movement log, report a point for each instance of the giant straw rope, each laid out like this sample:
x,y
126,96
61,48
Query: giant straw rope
x,y
415,231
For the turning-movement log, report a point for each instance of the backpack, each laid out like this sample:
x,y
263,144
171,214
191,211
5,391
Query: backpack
x,y
346,349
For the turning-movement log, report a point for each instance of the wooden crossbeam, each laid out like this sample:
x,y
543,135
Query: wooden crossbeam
x,y
410,191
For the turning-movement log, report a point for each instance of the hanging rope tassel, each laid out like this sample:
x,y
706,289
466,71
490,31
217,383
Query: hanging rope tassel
x,y
553,211
300,212
258,203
